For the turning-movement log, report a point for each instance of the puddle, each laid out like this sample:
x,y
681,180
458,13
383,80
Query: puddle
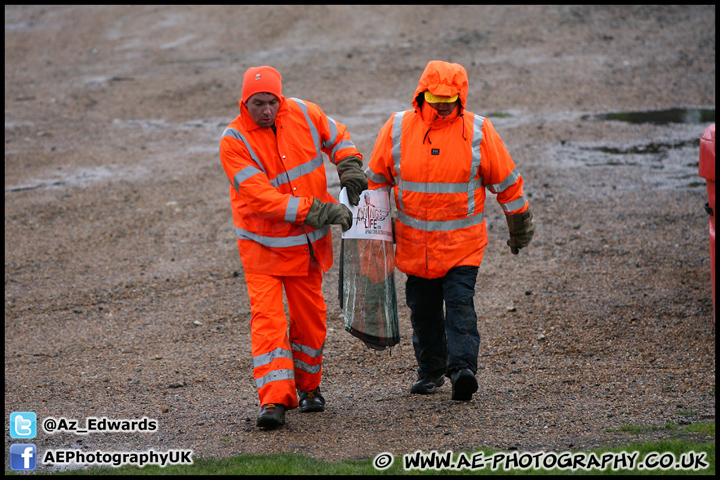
x,y
652,148
82,177
214,124
19,27
663,162
659,117
660,163
206,131
178,42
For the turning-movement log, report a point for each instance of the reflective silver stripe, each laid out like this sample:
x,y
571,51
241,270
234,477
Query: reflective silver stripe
x,y
514,205
316,235
332,125
243,175
231,132
292,209
299,347
340,146
299,364
311,352
397,154
374,176
297,172
313,131
281,242
509,180
283,178
267,358
476,161
316,162
275,375
441,187
438,225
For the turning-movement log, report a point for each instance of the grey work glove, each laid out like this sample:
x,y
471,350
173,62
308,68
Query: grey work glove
x,y
328,214
521,229
352,177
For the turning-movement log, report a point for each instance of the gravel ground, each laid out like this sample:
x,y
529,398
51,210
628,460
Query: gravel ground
x,y
124,292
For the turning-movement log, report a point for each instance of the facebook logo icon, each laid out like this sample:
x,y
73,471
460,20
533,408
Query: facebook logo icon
x,y
23,456
23,425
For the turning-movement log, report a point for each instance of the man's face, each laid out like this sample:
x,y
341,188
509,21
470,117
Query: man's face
x,y
445,109
263,108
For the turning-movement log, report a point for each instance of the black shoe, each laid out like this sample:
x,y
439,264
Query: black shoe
x,y
425,386
272,415
311,401
464,384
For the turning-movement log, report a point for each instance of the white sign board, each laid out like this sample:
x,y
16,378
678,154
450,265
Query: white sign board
x,y
371,216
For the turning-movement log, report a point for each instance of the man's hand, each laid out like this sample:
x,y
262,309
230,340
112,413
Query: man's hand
x,y
521,228
352,177
328,214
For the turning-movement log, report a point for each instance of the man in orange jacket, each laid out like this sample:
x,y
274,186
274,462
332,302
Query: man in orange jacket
x,y
439,159
282,212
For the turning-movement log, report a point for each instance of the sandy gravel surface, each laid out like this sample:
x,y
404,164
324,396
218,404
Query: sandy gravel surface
x,y
124,292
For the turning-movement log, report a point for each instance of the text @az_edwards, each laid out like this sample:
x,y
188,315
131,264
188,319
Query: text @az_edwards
x,y
99,425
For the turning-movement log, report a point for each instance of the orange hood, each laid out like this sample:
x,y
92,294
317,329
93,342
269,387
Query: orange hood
x,y
442,79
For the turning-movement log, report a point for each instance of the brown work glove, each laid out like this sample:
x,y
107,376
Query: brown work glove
x,y
521,229
328,214
352,177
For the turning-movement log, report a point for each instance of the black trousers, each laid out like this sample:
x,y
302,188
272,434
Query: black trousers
x,y
445,339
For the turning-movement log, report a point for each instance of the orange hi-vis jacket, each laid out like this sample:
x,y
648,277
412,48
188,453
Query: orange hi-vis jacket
x,y
273,180
439,169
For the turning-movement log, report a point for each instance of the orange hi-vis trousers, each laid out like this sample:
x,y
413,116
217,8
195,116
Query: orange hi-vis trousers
x,y
287,359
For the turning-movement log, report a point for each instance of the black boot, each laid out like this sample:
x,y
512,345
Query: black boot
x,y
464,384
425,386
311,401
272,415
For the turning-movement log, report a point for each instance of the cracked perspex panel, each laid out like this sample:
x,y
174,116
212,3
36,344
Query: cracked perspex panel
x,y
367,262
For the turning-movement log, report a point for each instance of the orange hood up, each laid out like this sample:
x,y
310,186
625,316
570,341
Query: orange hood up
x,y
443,79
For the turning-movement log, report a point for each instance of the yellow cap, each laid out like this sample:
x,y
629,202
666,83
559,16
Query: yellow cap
x,y
430,98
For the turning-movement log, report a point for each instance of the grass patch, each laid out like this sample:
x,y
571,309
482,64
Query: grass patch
x,y
707,428
636,429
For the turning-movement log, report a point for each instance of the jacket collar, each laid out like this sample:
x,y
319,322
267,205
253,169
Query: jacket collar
x,y
433,120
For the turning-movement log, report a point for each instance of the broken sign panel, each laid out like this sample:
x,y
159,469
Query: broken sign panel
x,y
367,284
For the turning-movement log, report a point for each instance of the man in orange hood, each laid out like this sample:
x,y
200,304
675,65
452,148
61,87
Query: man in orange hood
x,y
440,159
272,154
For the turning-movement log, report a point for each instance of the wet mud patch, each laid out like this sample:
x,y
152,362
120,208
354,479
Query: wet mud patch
x,y
661,150
674,164
652,148
653,164
659,117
